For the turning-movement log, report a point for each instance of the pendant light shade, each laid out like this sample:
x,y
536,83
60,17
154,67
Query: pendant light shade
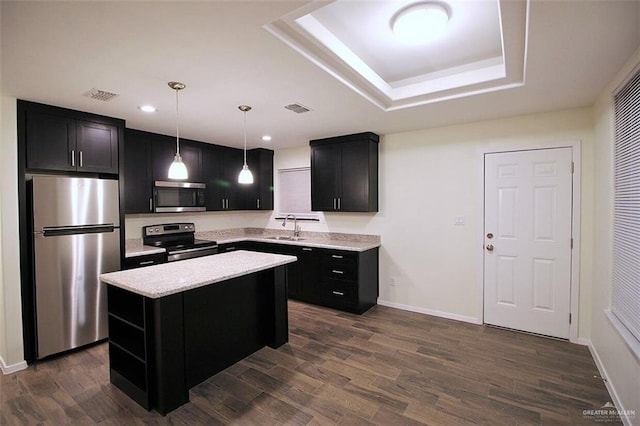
x,y
245,177
177,170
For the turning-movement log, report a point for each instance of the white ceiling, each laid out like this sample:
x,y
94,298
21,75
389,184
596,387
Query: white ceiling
x,y
54,52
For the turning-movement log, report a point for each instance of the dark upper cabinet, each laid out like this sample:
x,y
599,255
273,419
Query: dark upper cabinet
x,y
344,173
97,146
50,141
138,175
326,164
212,161
235,193
59,139
149,155
163,150
260,193
221,167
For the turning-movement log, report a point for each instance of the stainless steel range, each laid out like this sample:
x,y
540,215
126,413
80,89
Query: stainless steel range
x,y
178,239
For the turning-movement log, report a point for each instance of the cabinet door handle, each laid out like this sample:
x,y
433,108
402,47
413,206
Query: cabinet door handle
x,y
335,271
336,256
80,158
230,249
339,203
227,204
146,262
223,203
73,158
338,293
150,204
307,249
334,203
258,202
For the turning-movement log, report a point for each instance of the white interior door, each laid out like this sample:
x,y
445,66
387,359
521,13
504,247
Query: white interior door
x,y
527,240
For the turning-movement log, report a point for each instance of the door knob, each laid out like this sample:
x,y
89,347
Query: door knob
x,y
490,247
489,235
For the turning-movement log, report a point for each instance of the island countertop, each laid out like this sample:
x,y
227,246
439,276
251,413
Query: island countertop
x,y
174,277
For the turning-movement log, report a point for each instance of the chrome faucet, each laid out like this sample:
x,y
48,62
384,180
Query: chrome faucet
x,y
296,228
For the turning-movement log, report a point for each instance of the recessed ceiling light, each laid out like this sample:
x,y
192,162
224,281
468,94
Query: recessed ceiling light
x,y
420,23
266,138
147,108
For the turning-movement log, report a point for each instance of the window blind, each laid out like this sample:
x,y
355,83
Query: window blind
x,y
294,193
626,211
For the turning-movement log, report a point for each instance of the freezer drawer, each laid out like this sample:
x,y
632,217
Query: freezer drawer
x,y
71,303
64,201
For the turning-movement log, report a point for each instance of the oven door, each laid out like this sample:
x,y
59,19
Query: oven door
x,y
190,253
172,197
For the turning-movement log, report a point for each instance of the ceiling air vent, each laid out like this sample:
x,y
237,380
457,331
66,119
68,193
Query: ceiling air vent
x,y
100,95
297,108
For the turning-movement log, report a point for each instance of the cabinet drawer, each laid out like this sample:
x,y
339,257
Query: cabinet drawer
x,y
145,260
339,292
338,265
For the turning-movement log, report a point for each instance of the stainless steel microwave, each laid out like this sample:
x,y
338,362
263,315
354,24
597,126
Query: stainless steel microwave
x,y
170,197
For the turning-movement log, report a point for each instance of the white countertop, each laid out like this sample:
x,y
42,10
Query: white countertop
x,y
349,242
174,277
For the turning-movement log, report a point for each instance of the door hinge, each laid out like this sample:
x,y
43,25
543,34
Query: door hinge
x,y
571,243
573,167
569,318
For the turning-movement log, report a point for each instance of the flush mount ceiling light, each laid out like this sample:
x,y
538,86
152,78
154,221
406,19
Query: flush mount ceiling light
x,y
266,138
177,170
147,108
420,23
245,176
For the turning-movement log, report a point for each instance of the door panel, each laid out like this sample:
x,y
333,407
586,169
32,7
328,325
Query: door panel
x,y
527,282
71,304
97,146
325,171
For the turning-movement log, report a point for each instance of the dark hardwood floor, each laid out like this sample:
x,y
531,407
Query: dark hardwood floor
x,y
386,367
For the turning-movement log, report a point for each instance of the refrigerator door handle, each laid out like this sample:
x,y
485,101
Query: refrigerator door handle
x,y
54,231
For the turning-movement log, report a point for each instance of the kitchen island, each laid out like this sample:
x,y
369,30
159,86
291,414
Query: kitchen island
x,y
174,325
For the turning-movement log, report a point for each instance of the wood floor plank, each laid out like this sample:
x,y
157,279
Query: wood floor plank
x,y
385,367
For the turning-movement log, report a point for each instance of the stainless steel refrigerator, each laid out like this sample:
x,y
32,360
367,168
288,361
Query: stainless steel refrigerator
x,y
76,238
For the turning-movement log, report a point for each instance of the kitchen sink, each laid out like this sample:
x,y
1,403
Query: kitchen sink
x,y
286,238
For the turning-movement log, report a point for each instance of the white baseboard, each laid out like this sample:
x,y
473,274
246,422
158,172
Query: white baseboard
x,y
610,387
10,369
432,312
581,341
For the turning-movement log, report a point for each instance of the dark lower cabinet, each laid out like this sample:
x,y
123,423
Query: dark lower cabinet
x,y
340,279
160,348
349,280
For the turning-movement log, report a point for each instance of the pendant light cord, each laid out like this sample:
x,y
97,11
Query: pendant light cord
x,y
177,125
245,137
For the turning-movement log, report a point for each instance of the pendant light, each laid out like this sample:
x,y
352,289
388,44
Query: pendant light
x,y
245,176
177,170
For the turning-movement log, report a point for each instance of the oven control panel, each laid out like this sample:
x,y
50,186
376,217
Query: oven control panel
x,y
168,228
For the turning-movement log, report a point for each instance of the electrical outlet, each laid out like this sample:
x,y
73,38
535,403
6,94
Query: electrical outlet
x,y
392,281
458,220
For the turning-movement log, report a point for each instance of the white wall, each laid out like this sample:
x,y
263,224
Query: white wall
x,y
11,349
619,364
428,177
